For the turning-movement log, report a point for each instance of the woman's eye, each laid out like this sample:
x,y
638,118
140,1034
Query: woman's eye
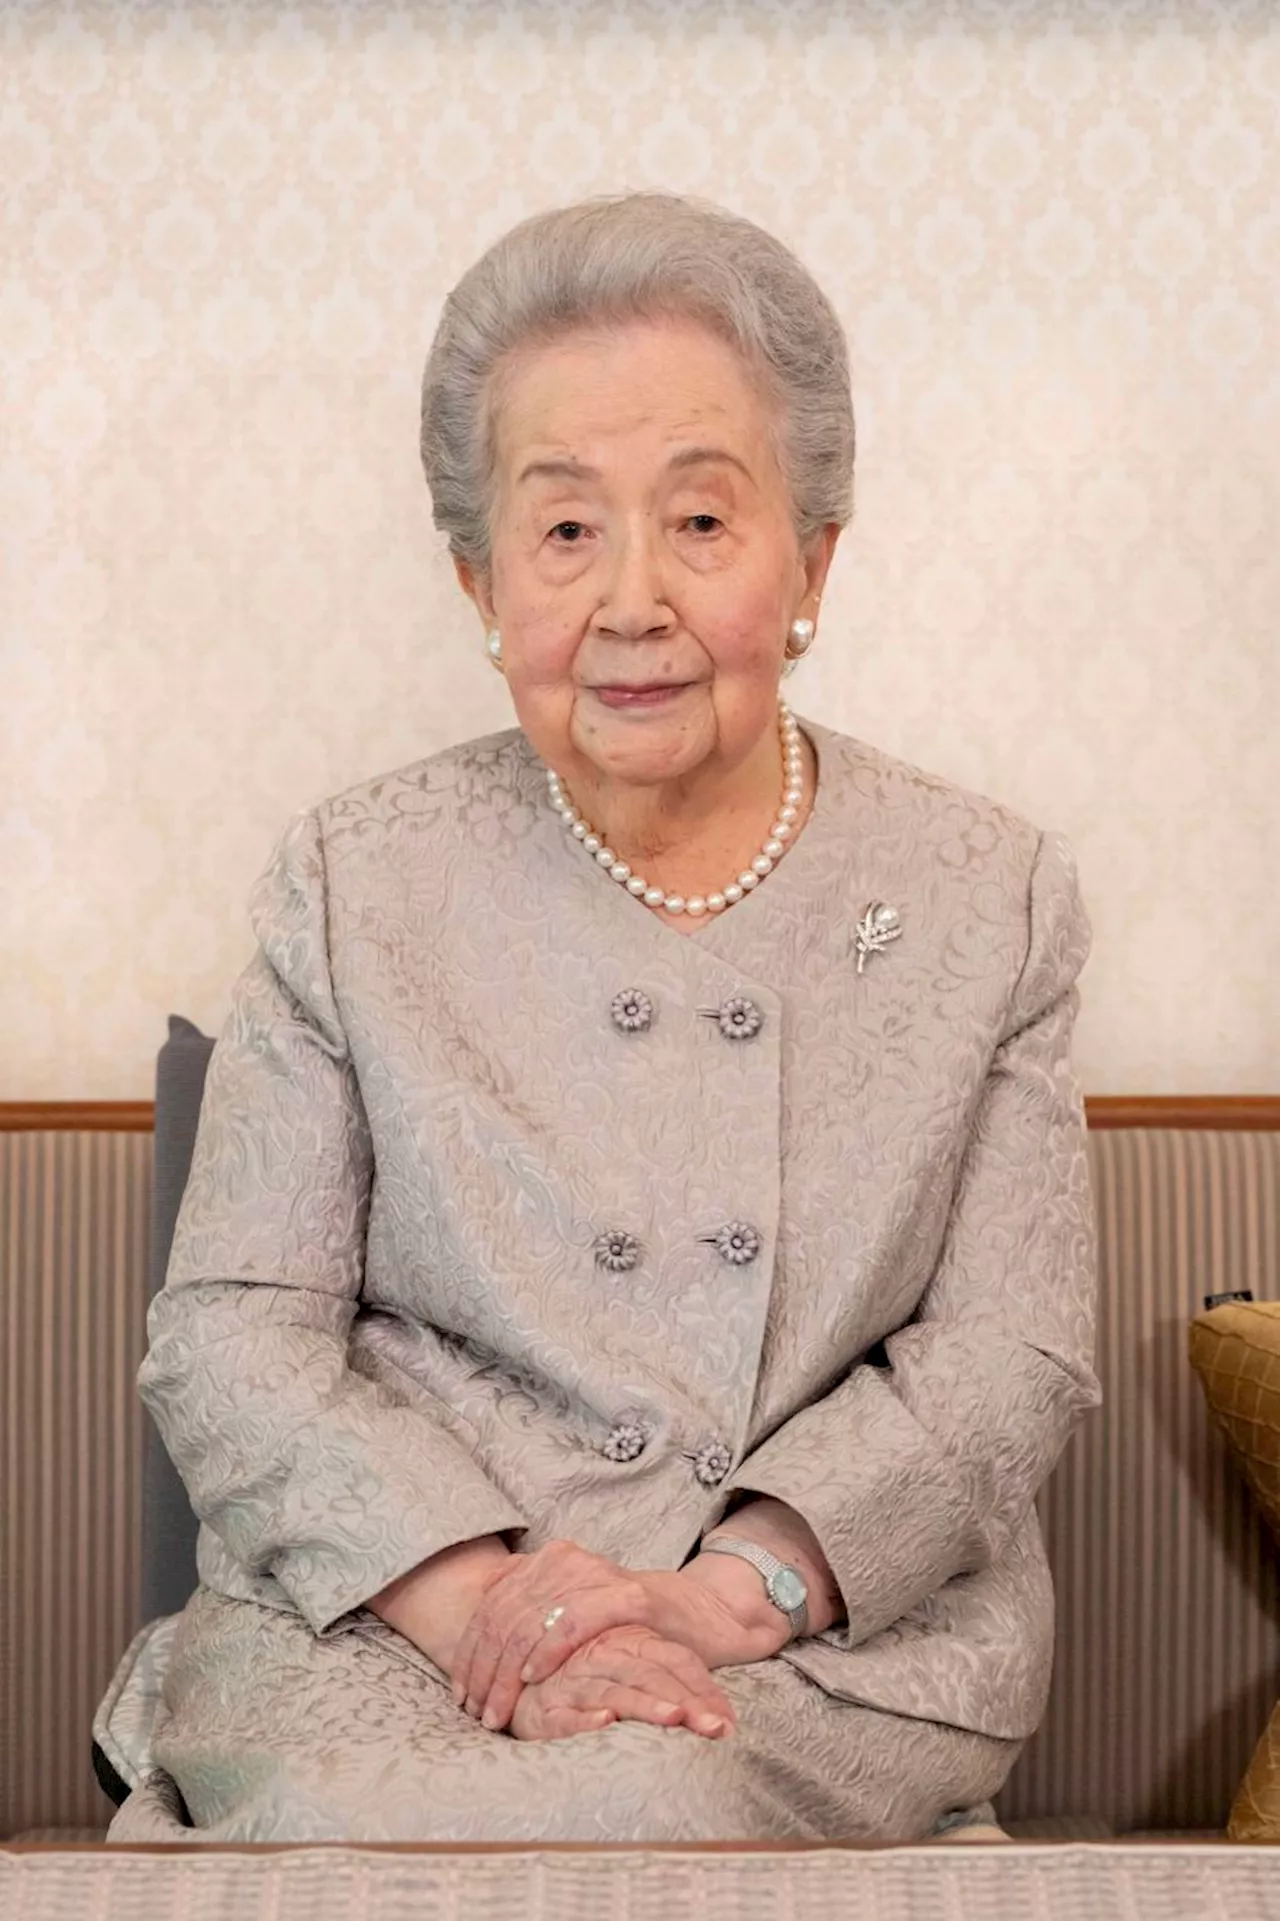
x,y
568,531
704,523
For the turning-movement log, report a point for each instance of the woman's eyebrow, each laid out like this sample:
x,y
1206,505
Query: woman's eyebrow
x,y
561,469
564,468
695,456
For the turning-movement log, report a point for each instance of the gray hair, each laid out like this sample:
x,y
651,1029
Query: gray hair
x,y
628,256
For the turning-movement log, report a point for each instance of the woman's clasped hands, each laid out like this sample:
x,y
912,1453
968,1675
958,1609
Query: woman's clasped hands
x,y
622,1644
624,1674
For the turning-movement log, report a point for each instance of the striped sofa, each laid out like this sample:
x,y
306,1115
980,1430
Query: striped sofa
x,y
1168,1657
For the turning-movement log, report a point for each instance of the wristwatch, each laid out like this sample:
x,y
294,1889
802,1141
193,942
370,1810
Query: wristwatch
x,y
784,1584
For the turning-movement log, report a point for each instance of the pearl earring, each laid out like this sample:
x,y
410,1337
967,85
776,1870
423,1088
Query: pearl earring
x,y
493,647
799,641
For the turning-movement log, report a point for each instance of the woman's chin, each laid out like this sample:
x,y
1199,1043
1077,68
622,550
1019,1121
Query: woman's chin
x,y
644,749
647,766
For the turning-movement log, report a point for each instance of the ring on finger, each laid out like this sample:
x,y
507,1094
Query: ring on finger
x,y
552,1616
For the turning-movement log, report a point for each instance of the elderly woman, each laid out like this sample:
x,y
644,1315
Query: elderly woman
x,y
636,1269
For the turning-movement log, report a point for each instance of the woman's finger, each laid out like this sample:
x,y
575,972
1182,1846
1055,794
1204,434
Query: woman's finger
x,y
462,1654
591,1614
533,1585
499,1651
505,1682
585,1591
650,1678
590,1594
461,1667
485,1633
588,1613
690,1675
486,1654
619,1602
700,1710
552,1564
638,1704
557,1724
628,1703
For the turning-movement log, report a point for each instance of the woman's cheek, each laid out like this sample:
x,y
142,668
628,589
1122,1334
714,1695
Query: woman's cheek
x,y
747,630
548,646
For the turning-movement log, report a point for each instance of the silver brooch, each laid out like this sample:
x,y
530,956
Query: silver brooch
x,y
878,926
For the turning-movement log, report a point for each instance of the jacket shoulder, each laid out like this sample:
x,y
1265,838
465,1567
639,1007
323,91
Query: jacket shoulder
x,y
960,825
493,774
961,848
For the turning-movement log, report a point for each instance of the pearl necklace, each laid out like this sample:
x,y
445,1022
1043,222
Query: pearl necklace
x,y
772,851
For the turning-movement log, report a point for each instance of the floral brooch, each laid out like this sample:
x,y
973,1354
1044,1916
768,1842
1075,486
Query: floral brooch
x,y
878,926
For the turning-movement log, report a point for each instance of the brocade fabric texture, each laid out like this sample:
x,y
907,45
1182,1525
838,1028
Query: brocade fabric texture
x,y
277,1734
385,1328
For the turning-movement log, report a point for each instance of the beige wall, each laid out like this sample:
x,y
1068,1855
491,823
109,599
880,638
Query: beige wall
x,y
1053,232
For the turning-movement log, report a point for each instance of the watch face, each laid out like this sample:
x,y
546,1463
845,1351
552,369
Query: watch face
x,y
787,1590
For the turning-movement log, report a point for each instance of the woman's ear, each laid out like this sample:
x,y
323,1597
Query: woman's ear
x,y
818,557
476,587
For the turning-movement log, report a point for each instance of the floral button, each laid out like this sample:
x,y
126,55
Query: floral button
x,y
626,1441
739,1019
711,1463
616,1250
631,1010
737,1242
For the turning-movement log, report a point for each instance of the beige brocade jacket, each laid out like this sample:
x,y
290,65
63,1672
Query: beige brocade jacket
x,y
450,1258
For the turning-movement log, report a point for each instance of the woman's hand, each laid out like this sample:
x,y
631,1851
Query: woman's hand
x,y
625,1674
432,1603
506,1642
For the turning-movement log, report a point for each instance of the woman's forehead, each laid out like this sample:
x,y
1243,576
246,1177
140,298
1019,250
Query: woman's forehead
x,y
564,407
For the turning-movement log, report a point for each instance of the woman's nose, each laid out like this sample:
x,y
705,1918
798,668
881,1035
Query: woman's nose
x,y
634,600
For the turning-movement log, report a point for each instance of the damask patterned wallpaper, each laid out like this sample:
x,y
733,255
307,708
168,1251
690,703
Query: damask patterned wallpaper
x,y
1053,232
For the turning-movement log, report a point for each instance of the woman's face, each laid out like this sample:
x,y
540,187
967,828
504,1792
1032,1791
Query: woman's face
x,y
645,566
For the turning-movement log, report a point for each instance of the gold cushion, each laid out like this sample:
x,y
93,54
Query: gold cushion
x,y
1235,1349
1255,1812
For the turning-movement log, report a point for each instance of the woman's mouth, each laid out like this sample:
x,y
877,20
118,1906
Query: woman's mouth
x,y
656,694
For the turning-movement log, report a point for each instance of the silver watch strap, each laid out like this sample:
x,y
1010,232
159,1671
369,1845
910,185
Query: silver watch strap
x,y
766,1564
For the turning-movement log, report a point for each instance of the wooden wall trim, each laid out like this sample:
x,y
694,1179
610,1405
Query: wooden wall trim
x,y
1231,1112
80,1117
1251,1112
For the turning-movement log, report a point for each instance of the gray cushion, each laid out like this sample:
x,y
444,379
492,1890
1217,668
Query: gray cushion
x,y
168,1524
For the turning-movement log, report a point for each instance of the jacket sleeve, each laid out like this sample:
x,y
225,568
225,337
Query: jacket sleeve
x,y
306,1470
912,1473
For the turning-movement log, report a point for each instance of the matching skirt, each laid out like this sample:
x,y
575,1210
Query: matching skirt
x,y
268,1732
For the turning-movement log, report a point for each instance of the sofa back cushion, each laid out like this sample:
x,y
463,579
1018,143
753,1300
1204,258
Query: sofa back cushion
x,y
169,1526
